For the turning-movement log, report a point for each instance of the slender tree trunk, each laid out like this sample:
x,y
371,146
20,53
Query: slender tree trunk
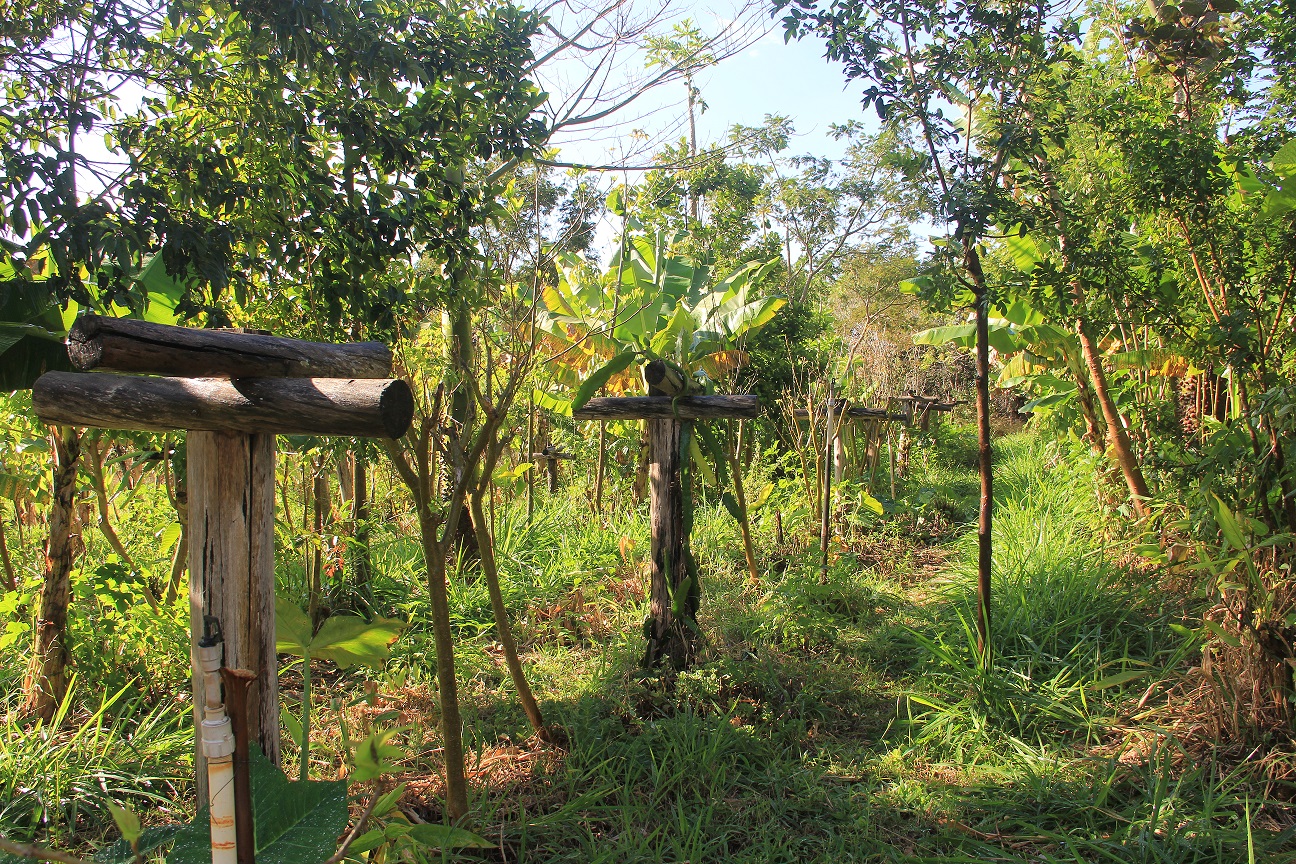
x,y
1117,437
447,687
47,676
985,459
485,543
317,560
601,469
362,560
740,495
825,513
11,580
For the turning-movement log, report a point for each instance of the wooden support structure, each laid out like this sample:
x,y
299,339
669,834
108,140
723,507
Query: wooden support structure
x,y
550,456
673,590
125,345
233,391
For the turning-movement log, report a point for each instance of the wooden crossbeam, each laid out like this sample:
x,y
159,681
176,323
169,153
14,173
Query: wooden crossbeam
x,y
126,345
365,408
668,408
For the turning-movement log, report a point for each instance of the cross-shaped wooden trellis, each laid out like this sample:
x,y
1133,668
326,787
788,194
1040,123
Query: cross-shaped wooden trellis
x,y
233,391
672,601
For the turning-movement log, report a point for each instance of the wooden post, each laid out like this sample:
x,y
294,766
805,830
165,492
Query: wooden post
x,y
673,594
231,568
671,635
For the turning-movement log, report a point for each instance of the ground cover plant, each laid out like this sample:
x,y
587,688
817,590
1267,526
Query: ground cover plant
x,y
998,569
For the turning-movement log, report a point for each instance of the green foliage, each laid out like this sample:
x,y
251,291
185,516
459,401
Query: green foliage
x,y
295,823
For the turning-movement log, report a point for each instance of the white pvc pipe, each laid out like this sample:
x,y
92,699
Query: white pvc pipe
x,y
218,747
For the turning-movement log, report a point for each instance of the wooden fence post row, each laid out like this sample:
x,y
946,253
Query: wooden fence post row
x,y
233,391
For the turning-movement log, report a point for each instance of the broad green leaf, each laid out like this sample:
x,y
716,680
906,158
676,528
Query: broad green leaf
x,y
1224,636
367,842
150,839
550,402
676,338
1284,161
962,335
731,504
446,837
350,639
295,823
599,377
292,629
294,727
389,800
1025,254
703,464
375,756
871,503
1228,524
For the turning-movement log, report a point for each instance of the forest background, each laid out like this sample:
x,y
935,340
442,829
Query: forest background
x,y
1080,215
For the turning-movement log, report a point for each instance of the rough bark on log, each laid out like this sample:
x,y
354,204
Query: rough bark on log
x,y
366,408
126,345
671,636
231,568
47,676
667,408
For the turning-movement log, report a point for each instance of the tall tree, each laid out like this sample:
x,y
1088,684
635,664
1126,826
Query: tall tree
x,y
919,58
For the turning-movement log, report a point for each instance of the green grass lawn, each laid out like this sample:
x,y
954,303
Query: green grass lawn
x,y
847,721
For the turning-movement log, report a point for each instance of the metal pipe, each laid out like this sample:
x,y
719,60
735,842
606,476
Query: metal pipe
x,y
217,745
237,683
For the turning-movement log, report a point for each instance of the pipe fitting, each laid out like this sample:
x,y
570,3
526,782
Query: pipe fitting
x,y
217,736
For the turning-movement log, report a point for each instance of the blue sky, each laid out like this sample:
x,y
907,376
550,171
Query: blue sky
x,y
769,77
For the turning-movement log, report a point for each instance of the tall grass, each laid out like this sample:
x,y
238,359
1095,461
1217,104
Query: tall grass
x,y
57,780
1071,629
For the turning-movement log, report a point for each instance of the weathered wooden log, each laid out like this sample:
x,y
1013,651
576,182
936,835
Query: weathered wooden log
x,y
856,411
125,345
672,594
667,408
231,486
363,408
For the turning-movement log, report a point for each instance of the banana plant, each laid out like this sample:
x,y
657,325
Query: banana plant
x,y
664,314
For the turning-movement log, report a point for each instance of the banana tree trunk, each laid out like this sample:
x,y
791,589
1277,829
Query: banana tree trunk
x,y
47,676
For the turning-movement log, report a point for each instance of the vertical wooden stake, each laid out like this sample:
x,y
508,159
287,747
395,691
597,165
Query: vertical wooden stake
x,y
825,525
668,636
231,569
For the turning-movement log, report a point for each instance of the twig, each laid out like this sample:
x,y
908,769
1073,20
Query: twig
x,y
40,853
355,832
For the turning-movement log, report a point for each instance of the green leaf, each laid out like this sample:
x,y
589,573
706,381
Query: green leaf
x,y
871,503
962,335
294,727
762,498
127,822
1224,636
446,837
367,842
376,756
389,800
350,639
122,852
1119,678
676,338
731,504
599,377
295,823
1284,161
1228,524
292,629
